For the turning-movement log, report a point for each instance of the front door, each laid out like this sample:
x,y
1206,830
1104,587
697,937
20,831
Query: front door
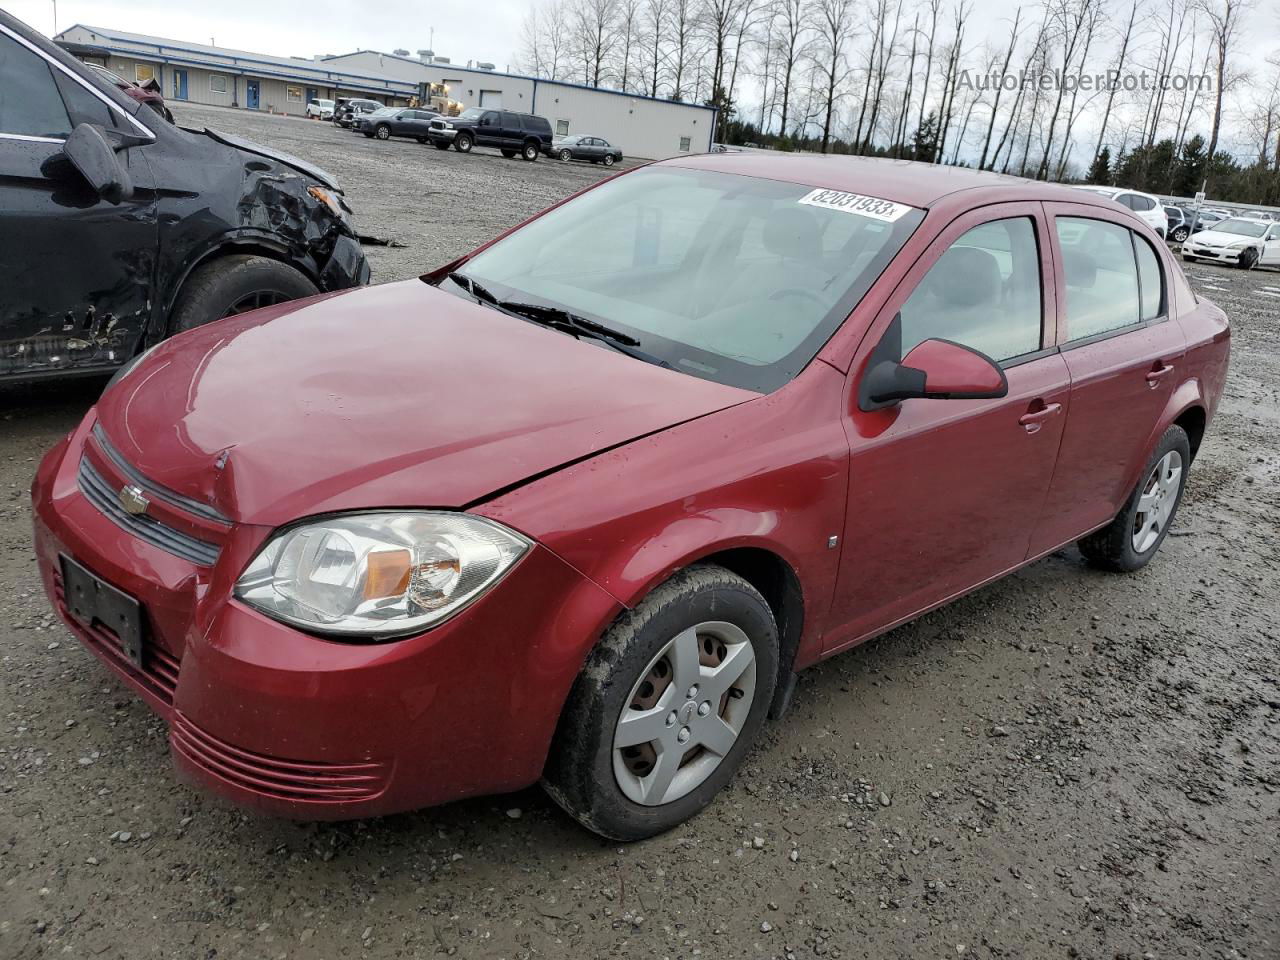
x,y
78,272
179,84
944,494
312,94
1123,353
1271,246
251,94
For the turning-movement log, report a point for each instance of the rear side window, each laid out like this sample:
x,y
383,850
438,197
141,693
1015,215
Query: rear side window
x,y
537,124
1100,262
29,102
1150,282
983,292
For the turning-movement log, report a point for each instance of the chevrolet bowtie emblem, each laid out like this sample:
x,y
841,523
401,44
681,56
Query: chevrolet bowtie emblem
x,y
132,500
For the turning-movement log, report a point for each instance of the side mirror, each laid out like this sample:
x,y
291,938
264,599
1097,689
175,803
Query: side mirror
x,y
91,154
933,370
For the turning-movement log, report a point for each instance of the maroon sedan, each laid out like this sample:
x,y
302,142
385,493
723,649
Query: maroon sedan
x,y
577,506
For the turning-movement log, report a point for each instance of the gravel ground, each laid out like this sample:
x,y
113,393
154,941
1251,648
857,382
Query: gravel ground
x,y
1064,764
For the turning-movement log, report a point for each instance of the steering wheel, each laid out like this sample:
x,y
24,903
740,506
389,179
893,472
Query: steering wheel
x,y
796,292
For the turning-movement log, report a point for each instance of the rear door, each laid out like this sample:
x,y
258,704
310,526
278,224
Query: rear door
x,y
1271,247
944,494
1123,354
76,273
512,130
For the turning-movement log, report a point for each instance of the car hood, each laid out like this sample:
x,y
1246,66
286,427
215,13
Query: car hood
x,y
1218,239
288,159
396,395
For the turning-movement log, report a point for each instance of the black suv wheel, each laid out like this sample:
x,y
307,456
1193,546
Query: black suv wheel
x,y
463,142
530,151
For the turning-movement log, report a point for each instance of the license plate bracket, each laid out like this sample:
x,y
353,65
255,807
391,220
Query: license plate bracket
x,y
92,601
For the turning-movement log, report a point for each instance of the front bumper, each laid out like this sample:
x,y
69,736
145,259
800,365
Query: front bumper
x,y
1221,254
346,267
446,135
295,725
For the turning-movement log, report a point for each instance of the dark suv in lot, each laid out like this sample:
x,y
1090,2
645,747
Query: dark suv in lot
x,y
512,133
349,108
118,229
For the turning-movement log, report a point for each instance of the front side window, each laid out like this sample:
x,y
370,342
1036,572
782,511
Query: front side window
x,y
983,292
1101,274
729,278
30,105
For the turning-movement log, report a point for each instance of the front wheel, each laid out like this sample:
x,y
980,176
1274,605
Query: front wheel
x,y
463,142
667,706
236,284
383,133
1248,259
1129,541
566,156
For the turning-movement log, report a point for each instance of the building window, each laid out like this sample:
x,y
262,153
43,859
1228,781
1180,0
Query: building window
x,y
294,94
142,72
684,144
217,83
562,128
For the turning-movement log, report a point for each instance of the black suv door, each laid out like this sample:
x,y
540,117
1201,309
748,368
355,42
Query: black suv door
x,y
76,272
489,129
512,131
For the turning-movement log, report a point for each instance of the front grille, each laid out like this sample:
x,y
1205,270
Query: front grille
x,y
309,782
171,497
159,672
103,496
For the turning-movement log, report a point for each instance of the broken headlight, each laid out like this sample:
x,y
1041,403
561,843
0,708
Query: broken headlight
x,y
333,200
378,574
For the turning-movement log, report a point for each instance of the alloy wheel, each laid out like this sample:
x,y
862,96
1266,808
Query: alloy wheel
x,y
252,301
1157,500
566,155
684,714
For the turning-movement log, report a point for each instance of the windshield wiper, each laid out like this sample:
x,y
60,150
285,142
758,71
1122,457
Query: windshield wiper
x,y
560,319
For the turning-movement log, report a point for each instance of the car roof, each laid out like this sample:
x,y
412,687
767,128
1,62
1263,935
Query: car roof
x,y
911,182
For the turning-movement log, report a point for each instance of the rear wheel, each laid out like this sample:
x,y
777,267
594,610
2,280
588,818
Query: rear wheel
x,y
441,144
1130,540
1180,234
508,153
667,706
530,151
463,142
233,285
421,139
1189,258
608,160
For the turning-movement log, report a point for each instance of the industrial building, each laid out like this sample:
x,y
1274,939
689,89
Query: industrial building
x,y
200,73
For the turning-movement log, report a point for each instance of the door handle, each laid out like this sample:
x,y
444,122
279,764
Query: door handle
x,y
1040,412
1157,372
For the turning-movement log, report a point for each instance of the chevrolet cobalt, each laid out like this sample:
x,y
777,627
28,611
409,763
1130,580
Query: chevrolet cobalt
x,y
576,507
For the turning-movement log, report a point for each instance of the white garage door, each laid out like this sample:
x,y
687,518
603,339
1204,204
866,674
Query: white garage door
x,y
491,99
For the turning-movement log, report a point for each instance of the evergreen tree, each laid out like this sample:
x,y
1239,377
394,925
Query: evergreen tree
x,y
924,142
1100,172
1191,167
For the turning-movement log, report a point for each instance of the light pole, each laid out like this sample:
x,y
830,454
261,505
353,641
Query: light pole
x,y
55,17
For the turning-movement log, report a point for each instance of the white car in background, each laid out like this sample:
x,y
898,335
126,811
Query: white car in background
x,y
1244,241
1148,208
322,109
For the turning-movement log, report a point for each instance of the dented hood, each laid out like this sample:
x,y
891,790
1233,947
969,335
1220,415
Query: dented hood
x,y
288,159
396,395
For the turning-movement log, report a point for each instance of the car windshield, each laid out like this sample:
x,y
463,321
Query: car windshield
x,y
385,112
735,279
1241,228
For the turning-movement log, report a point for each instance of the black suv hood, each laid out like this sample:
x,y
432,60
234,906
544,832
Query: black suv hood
x,y
248,146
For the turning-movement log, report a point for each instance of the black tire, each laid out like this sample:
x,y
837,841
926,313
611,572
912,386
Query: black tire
x,y
1112,547
1248,259
1180,234
230,285
421,139
1189,258
579,775
382,131
463,142
441,144
508,153
529,151
565,155
608,160
368,133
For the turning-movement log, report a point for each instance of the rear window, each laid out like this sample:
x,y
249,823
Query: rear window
x,y
537,124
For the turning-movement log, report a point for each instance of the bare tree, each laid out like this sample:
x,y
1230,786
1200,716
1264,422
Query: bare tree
x,y
1091,28
834,27
544,39
900,129
1125,40
656,14
1226,18
1004,71
878,65
682,29
594,30
628,27
934,7
952,76
792,45
1071,20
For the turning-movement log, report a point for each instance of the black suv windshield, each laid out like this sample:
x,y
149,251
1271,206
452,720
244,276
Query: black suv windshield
x,y
734,279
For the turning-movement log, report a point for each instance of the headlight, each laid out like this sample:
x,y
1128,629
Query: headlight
x,y
331,200
378,574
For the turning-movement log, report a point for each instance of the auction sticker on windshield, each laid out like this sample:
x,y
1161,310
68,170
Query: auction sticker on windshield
x,y
873,207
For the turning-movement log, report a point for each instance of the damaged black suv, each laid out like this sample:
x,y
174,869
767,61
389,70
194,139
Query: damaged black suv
x,y
117,230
